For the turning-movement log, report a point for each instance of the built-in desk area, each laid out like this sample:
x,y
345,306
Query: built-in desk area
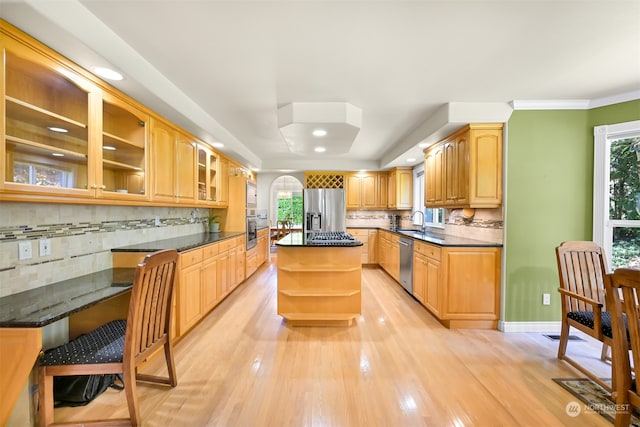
x,y
24,315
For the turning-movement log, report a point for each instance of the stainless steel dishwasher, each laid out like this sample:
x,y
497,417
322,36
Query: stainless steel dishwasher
x,y
406,263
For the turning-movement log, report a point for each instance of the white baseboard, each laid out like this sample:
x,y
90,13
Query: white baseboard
x,y
551,327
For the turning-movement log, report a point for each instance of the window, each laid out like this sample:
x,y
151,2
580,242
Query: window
x,y
433,217
30,173
286,200
616,211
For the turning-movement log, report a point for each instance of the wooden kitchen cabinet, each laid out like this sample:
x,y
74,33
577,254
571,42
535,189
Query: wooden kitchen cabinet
x,y
213,177
363,191
319,285
465,169
434,176
262,252
46,122
64,135
369,248
173,162
362,235
205,277
459,285
69,137
241,259
189,290
426,275
389,252
373,246
222,192
400,188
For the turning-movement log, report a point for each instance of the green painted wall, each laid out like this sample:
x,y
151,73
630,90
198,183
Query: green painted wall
x,y
548,199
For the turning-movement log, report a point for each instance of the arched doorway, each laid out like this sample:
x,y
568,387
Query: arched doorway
x,y
285,200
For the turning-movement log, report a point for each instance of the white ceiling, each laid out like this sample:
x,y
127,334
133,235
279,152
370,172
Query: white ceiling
x,y
221,69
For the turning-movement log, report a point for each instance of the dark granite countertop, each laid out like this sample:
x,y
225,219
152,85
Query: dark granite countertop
x,y
439,239
39,307
299,239
183,243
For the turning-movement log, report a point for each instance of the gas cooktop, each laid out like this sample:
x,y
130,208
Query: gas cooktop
x,y
330,238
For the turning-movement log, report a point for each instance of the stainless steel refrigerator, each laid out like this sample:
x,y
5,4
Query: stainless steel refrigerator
x,y
325,209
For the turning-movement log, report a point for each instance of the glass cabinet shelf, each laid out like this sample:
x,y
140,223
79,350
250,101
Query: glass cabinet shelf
x,y
123,148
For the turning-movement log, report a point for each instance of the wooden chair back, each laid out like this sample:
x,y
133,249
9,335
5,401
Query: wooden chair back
x,y
623,287
581,271
148,328
150,316
581,268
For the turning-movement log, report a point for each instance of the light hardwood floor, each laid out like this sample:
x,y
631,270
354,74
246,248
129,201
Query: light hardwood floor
x,y
397,366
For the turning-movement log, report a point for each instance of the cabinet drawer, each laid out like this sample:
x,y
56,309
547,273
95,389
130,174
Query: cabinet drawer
x,y
225,245
357,232
211,250
191,257
427,250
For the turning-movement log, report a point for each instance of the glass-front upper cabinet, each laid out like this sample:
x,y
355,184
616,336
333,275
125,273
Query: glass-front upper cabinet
x,y
124,142
47,125
207,175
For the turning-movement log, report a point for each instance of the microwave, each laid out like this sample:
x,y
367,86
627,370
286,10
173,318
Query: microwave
x,y
252,194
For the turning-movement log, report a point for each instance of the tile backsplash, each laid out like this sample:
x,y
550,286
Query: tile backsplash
x,y
485,225
80,236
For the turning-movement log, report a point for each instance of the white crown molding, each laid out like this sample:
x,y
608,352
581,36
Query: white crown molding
x,y
530,326
615,99
556,104
574,104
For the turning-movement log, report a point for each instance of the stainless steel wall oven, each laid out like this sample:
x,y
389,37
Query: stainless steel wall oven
x,y
252,228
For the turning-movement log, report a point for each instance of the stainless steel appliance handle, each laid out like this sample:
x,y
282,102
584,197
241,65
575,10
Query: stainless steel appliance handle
x,y
403,243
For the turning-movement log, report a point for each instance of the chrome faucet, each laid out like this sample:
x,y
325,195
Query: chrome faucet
x,y
422,223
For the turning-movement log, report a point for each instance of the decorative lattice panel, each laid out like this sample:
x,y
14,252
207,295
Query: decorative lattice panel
x,y
323,180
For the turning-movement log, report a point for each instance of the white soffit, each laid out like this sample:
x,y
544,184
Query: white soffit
x,y
574,104
340,120
446,120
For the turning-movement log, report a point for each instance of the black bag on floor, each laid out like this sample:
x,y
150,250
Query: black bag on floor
x,y
78,390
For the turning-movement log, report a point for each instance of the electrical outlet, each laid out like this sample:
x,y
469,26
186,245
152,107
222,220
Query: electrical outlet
x,y
546,299
24,250
157,221
45,247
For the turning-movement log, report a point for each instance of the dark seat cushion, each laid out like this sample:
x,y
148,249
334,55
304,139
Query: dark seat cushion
x,y
586,318
102,345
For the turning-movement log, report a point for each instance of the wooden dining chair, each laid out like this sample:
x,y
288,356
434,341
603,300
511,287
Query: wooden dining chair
x,y
581,270
121,346
284,228
623,287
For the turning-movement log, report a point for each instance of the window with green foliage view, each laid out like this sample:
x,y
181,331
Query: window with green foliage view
x,y
624,201
290,208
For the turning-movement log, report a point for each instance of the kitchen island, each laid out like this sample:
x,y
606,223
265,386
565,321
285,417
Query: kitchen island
x,y
319,281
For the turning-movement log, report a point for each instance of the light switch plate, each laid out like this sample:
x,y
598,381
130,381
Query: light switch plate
x,y
45,247
24,250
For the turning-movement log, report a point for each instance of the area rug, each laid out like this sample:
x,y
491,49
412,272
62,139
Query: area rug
x,y
594,397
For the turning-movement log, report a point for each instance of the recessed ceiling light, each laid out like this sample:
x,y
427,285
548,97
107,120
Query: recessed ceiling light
x,y
107,73
217,144
411,159
57,129
319,149
57,154
319,132
423,145
108,148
